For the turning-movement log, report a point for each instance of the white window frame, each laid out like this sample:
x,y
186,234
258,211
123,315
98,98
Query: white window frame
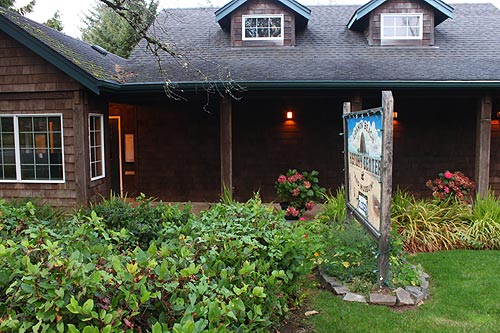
x,y
382,25
103,159
281,16
17,149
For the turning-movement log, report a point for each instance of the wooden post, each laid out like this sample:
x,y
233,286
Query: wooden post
x,y
483,145
356,102
226,145
385,227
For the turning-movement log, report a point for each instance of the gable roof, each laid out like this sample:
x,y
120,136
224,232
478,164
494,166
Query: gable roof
x,y
327,54
223,14
359,19
85,63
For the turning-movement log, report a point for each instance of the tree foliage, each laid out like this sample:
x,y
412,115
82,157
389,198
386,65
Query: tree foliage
x,y
55,22
28,8
110,30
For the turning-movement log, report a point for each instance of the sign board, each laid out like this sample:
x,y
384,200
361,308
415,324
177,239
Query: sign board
x,y
364,158
368,172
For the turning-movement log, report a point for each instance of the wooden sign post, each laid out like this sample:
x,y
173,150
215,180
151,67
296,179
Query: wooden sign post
x,y
368,173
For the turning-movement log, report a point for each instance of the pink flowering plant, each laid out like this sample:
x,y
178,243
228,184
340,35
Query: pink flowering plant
x,y
300,190
451,185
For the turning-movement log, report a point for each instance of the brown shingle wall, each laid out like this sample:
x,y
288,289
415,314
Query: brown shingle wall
x,y
21,70
404,7
30,85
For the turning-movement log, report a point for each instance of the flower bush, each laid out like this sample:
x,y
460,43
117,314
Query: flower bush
x,y
451,185
300,190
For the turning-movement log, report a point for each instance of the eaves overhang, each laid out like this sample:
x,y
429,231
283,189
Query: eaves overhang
x,y
49,54
154,87
223,14
359,19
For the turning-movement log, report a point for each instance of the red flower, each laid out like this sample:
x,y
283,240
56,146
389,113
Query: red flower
x,y
292,211
281,179
307,184
447,174
296,192
310,205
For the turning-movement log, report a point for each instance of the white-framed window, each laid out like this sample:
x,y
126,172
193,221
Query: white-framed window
x,y
262,27
31,148
96,145
401,26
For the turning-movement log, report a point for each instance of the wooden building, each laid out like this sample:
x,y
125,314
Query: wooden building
x,y
77,122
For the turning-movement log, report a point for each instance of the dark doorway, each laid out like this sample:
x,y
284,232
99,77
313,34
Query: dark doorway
x,y
115,158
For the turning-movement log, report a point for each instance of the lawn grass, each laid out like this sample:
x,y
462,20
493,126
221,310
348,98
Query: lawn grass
x,y
464,297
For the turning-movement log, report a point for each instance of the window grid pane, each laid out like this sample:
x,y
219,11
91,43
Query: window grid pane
x,y
40,138
263,27
401,26
96,146
7,151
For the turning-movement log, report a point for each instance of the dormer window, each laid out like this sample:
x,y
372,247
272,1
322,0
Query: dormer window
x,y
262,27
401,26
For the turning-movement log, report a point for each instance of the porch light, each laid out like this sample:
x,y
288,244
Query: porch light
x,y
394,115
498,114
289,115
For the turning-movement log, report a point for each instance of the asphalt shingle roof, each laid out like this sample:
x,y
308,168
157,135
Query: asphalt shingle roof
x,y
81,54
467,48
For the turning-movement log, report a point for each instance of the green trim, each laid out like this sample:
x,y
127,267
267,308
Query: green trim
x,y
230,7
151,87
445,11
49,54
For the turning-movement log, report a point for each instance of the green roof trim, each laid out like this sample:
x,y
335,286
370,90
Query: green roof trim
x,y
222,15
358,20
150,87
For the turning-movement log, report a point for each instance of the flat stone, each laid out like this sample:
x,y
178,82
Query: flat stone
x,y
403,297
352,297
425,288
340,290
416,293
381,299
426,277
329,282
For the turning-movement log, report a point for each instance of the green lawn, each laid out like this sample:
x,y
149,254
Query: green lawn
x,y
464,297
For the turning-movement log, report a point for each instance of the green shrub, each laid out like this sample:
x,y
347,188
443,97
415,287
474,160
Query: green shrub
x,y
427,226
236,268
334,207
483,229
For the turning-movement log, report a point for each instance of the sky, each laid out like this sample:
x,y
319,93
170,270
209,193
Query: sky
x,y
73,11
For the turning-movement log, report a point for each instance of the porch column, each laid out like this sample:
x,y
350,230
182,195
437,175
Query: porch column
x,y
483,145
226,144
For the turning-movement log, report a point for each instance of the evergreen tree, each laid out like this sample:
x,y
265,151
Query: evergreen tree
x,y
55,22
28,8
106,28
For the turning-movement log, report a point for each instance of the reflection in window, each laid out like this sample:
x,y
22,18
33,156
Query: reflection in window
x,y
401,26
263,27
37,154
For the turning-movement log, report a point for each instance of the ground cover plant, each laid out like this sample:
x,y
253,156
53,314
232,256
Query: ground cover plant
x,y
236,267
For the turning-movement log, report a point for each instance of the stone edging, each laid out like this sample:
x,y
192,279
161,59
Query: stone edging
x,y
408,296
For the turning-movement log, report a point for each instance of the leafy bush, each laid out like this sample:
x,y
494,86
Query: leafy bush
x,y
334,207
300,190
451,185
235,268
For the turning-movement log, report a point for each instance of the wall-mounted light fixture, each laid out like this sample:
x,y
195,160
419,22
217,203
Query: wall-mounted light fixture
x,y
394,115
289,115
498,114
